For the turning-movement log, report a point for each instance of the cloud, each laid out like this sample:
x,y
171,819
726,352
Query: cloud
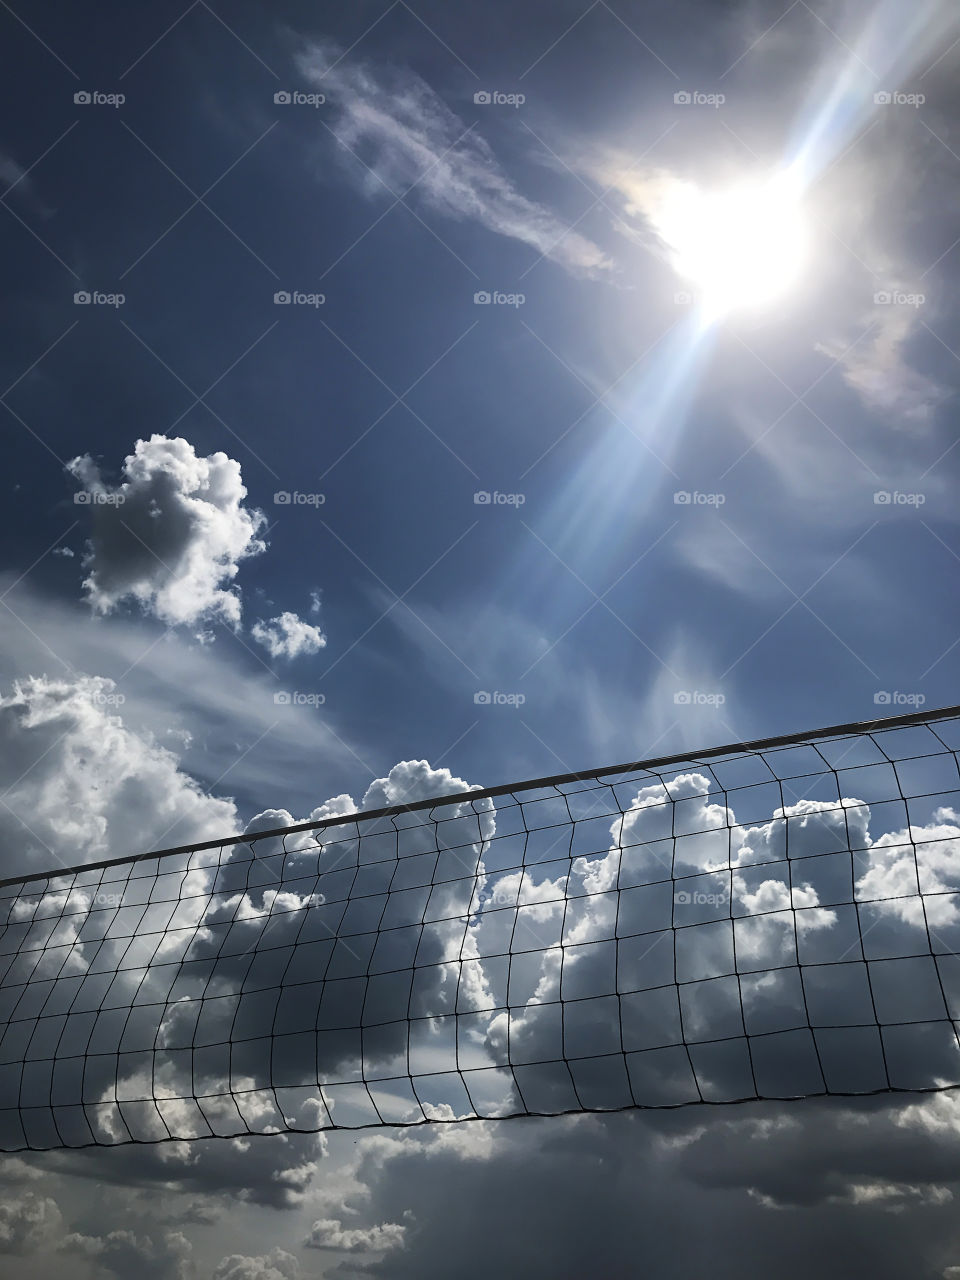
x,y
171,534
572,1183
413,780
124,1254
404,133
79,786
27,1223
276,1265
288,636
728,1188
208,704
879,369
329,1233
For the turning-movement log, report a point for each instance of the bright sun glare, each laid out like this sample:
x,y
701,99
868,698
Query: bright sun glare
x,y
741,248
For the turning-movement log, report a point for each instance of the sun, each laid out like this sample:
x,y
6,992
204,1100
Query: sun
x,y
741,248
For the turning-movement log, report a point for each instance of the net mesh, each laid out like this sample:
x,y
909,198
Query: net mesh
x,y
768,921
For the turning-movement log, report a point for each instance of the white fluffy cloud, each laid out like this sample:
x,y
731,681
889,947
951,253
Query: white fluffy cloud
x,y
171,534
406,134
288,636
329,1233
276,1265
78,785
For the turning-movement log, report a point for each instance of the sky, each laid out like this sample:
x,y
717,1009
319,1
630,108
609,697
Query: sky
x,y
364,405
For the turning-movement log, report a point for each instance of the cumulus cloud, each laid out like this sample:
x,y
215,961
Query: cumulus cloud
x,y
413,780
647,954
405,134
757,1161
727,1187
276,1265
329,1233
78,785
27,1223
171,534
209,704
122,1253
288,636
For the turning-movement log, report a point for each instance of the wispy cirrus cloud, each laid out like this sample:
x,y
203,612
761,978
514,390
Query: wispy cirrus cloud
x,y
405,134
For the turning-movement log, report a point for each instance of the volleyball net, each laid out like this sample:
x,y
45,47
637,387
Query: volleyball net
x,y
777,919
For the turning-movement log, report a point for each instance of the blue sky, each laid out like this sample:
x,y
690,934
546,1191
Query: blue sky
x,y
807,581
562,399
